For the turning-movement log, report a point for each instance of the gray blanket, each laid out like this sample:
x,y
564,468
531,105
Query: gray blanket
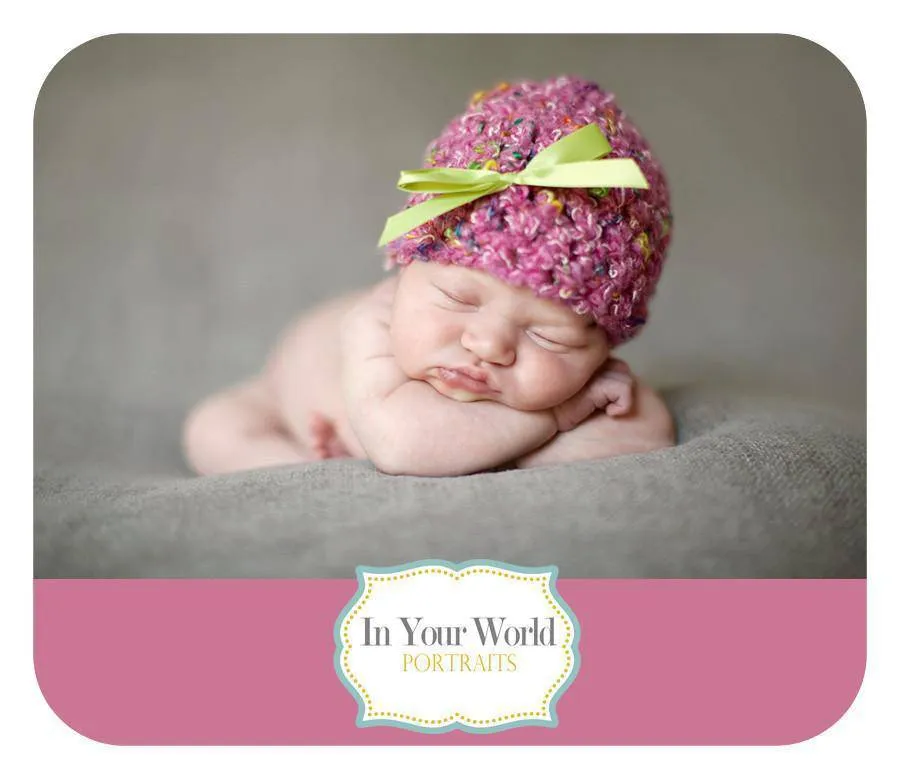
x,y
757,487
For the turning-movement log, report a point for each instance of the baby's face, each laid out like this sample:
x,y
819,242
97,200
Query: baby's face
x,y
473,337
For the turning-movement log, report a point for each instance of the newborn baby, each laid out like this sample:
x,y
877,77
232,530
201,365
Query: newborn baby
x,y
491,345
439,370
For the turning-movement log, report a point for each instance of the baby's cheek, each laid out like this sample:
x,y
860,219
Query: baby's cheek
x,y
547,383
418,345
407,354
439,333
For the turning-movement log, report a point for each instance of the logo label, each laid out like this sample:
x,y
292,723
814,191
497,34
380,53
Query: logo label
x,y
433,646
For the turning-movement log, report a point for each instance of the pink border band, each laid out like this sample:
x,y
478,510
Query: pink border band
x,y
251,661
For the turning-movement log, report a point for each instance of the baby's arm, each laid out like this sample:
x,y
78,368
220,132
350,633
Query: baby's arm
x,y
406,426
593,424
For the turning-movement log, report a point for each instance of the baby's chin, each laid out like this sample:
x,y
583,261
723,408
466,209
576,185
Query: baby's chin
x,y
466,396
463,396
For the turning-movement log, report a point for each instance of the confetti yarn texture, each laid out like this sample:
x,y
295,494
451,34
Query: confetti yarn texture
x,y
600,251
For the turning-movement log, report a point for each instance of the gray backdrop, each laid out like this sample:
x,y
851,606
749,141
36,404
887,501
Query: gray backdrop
x,y
192,194
162,160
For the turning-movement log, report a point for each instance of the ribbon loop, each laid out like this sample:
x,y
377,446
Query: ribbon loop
x,y
570,162
588,143
447,180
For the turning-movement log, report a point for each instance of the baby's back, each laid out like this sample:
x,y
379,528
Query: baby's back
x,y
304,370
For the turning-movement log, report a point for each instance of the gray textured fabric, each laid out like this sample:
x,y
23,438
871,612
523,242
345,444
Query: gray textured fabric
x,y
192,194
757,487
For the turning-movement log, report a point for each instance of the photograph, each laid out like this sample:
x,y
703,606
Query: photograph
x,y
304,303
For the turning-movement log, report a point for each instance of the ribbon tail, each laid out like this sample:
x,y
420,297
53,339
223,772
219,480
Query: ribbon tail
x,y
404,221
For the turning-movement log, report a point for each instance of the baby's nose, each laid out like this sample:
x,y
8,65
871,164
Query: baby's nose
x,y
491,341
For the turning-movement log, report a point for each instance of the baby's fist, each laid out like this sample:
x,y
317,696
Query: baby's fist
x,y
611,389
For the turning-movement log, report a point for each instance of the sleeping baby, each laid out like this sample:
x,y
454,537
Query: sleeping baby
x,y
529,249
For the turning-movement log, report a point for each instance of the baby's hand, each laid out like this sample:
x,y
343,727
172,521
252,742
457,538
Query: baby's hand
x,y
611,389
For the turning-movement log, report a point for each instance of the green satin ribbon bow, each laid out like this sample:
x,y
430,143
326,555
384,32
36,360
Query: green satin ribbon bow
x,y
570,162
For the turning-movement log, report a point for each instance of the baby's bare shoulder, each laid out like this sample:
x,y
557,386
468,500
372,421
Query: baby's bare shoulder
x,y
325,318
310,343
377,301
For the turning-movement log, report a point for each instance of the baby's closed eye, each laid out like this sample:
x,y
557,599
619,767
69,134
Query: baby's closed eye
x,y
554,341
456,298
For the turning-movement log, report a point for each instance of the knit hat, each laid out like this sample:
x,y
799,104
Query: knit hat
x,y
599,251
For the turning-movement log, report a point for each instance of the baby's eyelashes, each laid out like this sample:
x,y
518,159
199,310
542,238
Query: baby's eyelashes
x,y
555,344
456,299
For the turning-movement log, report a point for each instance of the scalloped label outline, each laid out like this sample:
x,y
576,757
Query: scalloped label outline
x,y
457,721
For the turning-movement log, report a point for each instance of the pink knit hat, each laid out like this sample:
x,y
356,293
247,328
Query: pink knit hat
x,y
600,251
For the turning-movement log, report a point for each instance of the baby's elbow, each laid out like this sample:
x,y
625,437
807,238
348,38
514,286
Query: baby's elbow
x,y
383,438
394,460
389,460
392,454
399,457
